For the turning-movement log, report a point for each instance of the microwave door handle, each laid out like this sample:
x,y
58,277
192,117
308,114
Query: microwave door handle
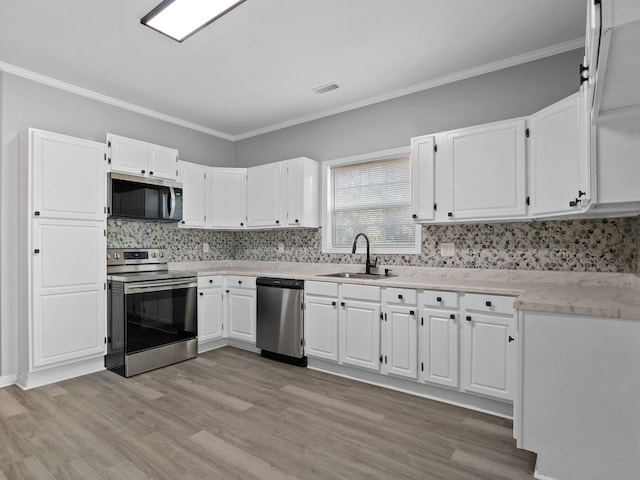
x,y
172,202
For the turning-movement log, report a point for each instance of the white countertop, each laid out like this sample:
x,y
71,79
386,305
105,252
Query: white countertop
x,y
615,295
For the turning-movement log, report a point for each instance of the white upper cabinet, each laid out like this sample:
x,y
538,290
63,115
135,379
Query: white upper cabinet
x,y
301,182
226,198
193,178
423,179
141,158
264,194
559,162
68,179
284,194
487,165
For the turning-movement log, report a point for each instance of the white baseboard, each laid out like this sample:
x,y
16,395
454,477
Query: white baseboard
x,y
539,476
7,380
58,374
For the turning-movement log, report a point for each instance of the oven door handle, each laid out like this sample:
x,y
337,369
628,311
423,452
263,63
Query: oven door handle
x,y
158,286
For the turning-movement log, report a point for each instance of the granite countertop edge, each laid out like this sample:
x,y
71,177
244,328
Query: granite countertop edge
x,y
596,294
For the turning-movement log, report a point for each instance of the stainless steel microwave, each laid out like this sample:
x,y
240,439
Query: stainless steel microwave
x,y
142,198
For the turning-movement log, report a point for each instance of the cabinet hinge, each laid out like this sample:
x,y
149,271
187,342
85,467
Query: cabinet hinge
x,y
421,321
109,160
301,305
435,148
105,157
109,144
583,77
105,285
303,343
422,366
385,317
528,200
381,316
105,340
105,209
435,207
176,173
380,358
105,232
205,176
385,359
526,133
222,327
205,218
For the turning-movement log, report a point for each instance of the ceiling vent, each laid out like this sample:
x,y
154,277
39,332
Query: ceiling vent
x,y
326,88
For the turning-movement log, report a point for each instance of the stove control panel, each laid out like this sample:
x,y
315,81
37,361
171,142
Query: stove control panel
x,y
136,256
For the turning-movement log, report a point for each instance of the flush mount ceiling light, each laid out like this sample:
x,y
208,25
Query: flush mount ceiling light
x,y
179,19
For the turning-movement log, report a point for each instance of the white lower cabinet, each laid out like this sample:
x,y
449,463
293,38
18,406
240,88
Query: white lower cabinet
x,y
210,308
439,337
359,326
488,346
241,308
321,320
399,332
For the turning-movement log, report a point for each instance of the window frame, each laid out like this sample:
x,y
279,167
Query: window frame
x,y
328,208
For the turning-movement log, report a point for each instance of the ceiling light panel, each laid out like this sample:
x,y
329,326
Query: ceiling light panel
x,y
179,19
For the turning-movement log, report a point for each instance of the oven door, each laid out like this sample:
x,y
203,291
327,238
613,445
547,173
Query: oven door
x,y
159,313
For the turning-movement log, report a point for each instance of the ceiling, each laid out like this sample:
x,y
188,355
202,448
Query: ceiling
x,y
253,70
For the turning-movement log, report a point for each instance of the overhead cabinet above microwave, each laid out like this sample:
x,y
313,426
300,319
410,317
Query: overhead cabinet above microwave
x,y
135,157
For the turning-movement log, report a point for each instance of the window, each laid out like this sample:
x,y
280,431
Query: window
x,y
370,194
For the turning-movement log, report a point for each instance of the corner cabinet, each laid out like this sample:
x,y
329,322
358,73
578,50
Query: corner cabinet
x,y
135,157
194,182
423,178
62,327
226,198
264,195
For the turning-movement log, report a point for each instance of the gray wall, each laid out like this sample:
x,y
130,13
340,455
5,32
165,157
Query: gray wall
x,y
507,93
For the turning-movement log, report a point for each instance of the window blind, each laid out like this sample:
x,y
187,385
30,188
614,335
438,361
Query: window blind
x,y
374,198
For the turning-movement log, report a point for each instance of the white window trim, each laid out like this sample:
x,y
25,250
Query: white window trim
x,y
327,204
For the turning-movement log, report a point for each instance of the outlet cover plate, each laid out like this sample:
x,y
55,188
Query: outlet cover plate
x,y
447,250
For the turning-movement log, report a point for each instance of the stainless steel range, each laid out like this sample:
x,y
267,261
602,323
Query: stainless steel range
x,y
152,312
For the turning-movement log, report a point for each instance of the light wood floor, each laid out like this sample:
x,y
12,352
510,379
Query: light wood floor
x,y
231,414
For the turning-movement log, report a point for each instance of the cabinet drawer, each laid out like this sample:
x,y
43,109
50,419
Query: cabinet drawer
x,y
328,289
237,281
489,303
438,299
360,292
210,281
401,296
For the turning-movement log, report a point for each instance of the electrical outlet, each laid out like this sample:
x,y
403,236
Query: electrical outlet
x,y
281,247
447,249
205,247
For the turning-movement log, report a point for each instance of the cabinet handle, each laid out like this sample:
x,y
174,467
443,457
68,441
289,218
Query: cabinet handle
x,y
399,297
450,214
242,224
333,304
141,171
277,222
37,214
511,339
452,316
201,294
226,291
37,250
210,281
183,222
297,221
411,312
150,173
468,318
581,193
342,304
414,216
239,282
438,299
487,303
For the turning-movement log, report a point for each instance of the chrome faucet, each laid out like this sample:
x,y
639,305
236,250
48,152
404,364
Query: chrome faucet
x,y
368,263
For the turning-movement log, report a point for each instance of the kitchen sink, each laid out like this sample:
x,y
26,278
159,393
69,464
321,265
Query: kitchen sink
x,y
360,276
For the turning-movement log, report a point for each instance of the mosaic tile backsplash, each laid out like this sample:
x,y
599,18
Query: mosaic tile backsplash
x,y
603,245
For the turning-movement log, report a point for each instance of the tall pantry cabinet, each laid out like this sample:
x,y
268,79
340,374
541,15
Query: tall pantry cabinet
x,y
62,208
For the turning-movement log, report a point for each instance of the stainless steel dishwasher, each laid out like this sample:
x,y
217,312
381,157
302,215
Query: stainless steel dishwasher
x,y
279,329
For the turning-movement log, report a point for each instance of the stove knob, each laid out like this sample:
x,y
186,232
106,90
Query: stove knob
x,y
108,256
153,255
161,254
116,256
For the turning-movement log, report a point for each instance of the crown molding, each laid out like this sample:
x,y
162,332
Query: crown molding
x,y
436,82
83,92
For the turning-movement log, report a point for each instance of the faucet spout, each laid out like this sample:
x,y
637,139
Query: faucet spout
x,y
368,263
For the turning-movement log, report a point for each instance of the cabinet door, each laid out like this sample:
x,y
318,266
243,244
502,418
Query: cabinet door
x,y
321,327
210,311
489,355
127,155
439,347
162,162
359,334
241,314
227,197
400,341
558,161
68,291
264,184
68,177
292,172
423,173
193,181
488,171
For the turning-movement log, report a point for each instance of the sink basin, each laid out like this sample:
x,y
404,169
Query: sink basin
x,y
360,276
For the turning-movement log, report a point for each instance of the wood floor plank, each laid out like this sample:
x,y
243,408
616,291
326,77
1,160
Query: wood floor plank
x,y
233,415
